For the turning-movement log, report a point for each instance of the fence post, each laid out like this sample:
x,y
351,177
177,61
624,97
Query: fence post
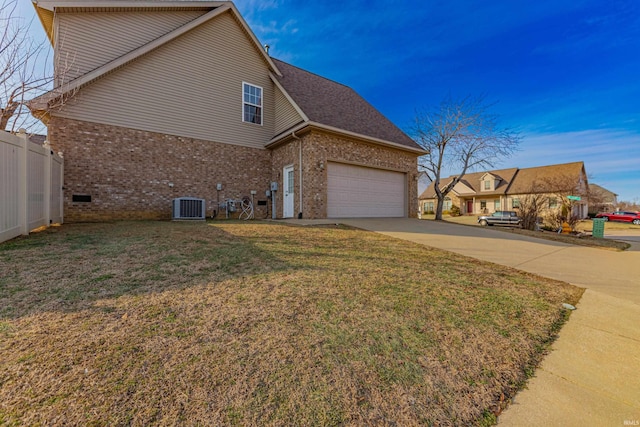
x,y
47,182
23,176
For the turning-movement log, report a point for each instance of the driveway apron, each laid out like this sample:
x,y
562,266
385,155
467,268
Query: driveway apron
x,y
592,375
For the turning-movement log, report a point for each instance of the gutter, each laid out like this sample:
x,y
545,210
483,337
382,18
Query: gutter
x,y
297,138
314,125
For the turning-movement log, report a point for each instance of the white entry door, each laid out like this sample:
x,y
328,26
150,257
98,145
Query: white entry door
x,y
287,194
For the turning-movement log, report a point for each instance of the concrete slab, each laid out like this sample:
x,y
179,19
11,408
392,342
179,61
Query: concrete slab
x,y
597,357
565,404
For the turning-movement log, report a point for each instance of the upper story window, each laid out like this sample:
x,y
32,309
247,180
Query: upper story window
x,y
251,103
487,185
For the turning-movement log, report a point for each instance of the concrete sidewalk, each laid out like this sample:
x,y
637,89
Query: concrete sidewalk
x,y
592,375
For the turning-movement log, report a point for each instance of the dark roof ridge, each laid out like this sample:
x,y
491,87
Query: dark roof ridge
x,y
311,72
554,165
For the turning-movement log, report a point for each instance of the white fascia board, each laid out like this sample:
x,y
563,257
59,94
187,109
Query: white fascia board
x,y
286,95
282,135
47,24
487,173
51,5
368,138
253,37
354,135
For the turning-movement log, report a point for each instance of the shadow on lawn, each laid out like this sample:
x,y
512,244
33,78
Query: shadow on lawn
x,y
276,325
69,268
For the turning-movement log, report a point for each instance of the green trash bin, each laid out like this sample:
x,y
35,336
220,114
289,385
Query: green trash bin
x,y
598,228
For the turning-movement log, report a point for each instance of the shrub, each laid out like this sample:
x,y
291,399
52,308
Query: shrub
x,y
554,220
455,211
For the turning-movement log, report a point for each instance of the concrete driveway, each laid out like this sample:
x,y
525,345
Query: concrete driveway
x,y
592,376
629,236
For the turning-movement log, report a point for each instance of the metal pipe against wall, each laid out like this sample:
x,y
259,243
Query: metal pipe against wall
x,y
293,134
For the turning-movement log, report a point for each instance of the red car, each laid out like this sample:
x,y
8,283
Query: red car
x,y
633,217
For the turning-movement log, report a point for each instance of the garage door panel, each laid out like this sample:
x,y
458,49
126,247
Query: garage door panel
x,y
356,191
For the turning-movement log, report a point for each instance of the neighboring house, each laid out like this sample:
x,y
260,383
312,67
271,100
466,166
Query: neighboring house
x,y
423,182
487,192
171,98
601,199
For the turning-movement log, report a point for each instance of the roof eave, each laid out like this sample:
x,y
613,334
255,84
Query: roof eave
x,y
145,4
46,19
253,37
319,126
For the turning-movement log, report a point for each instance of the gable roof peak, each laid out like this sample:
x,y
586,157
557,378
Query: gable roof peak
x,y
213,10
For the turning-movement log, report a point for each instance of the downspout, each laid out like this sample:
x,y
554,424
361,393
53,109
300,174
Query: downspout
x,y
293,134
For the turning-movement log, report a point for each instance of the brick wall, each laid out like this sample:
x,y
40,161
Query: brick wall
x,y
322,147
128,172
132,174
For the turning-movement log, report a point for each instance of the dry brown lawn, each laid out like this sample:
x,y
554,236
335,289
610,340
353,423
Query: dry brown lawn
x,y
228,323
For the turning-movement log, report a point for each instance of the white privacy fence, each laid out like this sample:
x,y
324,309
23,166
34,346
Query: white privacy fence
x,y
31,178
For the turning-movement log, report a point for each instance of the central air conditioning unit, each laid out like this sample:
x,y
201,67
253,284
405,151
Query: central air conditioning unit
x,y
188,208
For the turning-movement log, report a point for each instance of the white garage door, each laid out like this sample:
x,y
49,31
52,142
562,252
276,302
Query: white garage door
x,y
356,192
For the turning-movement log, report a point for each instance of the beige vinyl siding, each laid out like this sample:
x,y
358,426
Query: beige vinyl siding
x,y
86,41
286,115
191,86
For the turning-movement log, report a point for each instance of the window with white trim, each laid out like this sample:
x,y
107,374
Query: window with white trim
x,y
251,103
446,205
429,207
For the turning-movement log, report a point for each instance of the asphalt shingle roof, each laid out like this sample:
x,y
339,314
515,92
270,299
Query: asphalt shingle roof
x,y
545,177
472,180
333,104
517,181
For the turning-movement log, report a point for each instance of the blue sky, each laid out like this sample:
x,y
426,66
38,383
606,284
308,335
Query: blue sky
x,y
566,73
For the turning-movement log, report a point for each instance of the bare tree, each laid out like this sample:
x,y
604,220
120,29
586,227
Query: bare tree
x,y
629,205
29,89
463,135
529,209
547,200
21,73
